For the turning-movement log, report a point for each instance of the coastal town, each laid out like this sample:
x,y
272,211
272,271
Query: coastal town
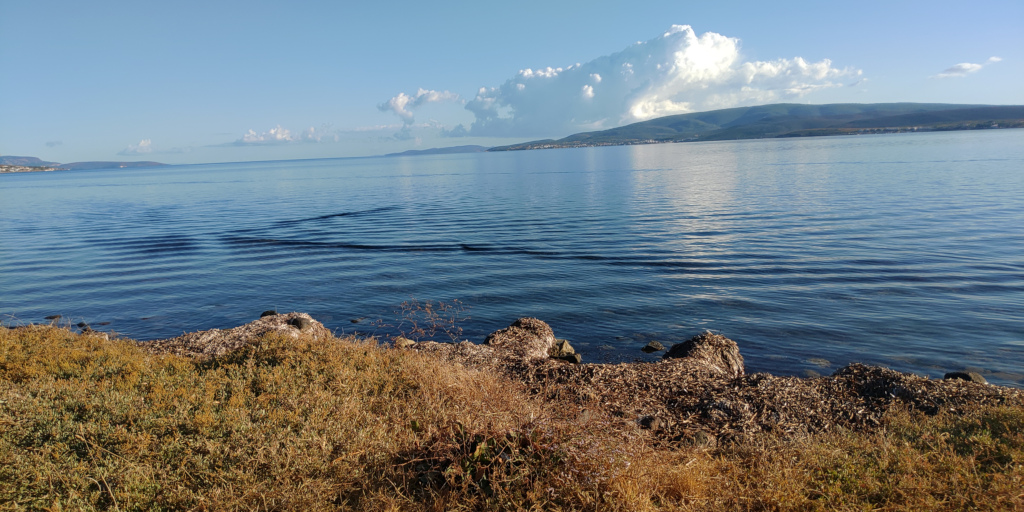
x,y
26,168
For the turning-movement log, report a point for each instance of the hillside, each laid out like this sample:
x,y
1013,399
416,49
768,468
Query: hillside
x,y
25,161
441,151
75,166
793,120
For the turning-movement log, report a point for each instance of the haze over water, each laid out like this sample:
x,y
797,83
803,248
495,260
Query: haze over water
x,y
900,250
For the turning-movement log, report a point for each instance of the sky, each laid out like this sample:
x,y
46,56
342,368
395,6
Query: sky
x,y
193,82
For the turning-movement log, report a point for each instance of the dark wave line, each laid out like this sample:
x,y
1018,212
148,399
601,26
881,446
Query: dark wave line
x,y
336,215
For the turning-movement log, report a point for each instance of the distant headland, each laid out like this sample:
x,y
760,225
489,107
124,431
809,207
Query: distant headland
x,y
793,120
9,164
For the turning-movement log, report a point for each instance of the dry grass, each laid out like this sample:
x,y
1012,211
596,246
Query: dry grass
x,y
87,423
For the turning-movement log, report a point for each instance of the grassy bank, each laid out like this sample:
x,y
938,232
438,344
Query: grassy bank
x,y
345,424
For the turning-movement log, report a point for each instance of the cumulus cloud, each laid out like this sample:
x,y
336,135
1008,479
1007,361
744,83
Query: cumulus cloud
x,y
280,135
276,135
404,106
674,73
144,146
965,68
324,134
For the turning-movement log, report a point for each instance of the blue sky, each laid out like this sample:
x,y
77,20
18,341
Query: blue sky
x,y
189,82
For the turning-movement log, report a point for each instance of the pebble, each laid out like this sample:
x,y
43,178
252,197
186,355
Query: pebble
x,y
653,346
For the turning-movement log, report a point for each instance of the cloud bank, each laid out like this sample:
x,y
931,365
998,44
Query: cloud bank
x,y
280,135
965,68
403,106
144,146
674,73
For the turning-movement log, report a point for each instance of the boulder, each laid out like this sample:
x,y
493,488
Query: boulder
x,y
573,358
269,312
301,322
403,342
564,351
528,338
216,342
712,351
968,376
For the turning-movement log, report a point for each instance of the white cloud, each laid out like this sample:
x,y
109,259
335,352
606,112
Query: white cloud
x,y
276,135
143,147
674,73
280,135
965,68
324,134
403,105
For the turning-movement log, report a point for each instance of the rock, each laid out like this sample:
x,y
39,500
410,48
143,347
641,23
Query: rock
x,y
653,346
357,320
82,325
968,376
403,342
564,351
713,351
572,358
561,348
269,312
528,338
52,317
217,342
651,422
301,322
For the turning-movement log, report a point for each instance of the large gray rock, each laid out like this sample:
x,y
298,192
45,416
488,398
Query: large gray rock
x,y
217,342
528,338
712,351
968,376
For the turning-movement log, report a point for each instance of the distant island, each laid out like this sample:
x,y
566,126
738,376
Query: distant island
x,y
441,151
9,164
793,120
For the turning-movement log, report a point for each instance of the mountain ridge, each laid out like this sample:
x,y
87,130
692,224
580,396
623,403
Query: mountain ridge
x,y
792,120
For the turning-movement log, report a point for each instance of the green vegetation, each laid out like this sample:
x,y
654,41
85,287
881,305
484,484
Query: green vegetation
x,y
87,423
794,120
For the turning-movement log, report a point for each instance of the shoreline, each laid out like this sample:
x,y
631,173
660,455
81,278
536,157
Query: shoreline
x,y
11,169
699,387
279,413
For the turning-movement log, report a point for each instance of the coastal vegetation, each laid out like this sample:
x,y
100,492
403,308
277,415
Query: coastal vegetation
x,y
303,421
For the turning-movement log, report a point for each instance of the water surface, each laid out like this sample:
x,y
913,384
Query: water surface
x,y
902,250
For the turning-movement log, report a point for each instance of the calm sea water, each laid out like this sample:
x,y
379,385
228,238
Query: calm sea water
x,y
900,250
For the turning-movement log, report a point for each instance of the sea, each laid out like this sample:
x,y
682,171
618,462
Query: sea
x,y
901,250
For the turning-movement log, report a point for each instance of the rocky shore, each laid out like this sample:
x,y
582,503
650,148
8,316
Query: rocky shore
x,y
699,391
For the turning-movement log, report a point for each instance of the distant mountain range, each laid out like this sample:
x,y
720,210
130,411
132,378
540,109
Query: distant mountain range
x,y
32,163
108,165
441,151
794,120
26,161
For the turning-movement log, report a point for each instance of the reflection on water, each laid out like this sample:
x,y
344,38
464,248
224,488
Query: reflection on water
x,y
903,250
